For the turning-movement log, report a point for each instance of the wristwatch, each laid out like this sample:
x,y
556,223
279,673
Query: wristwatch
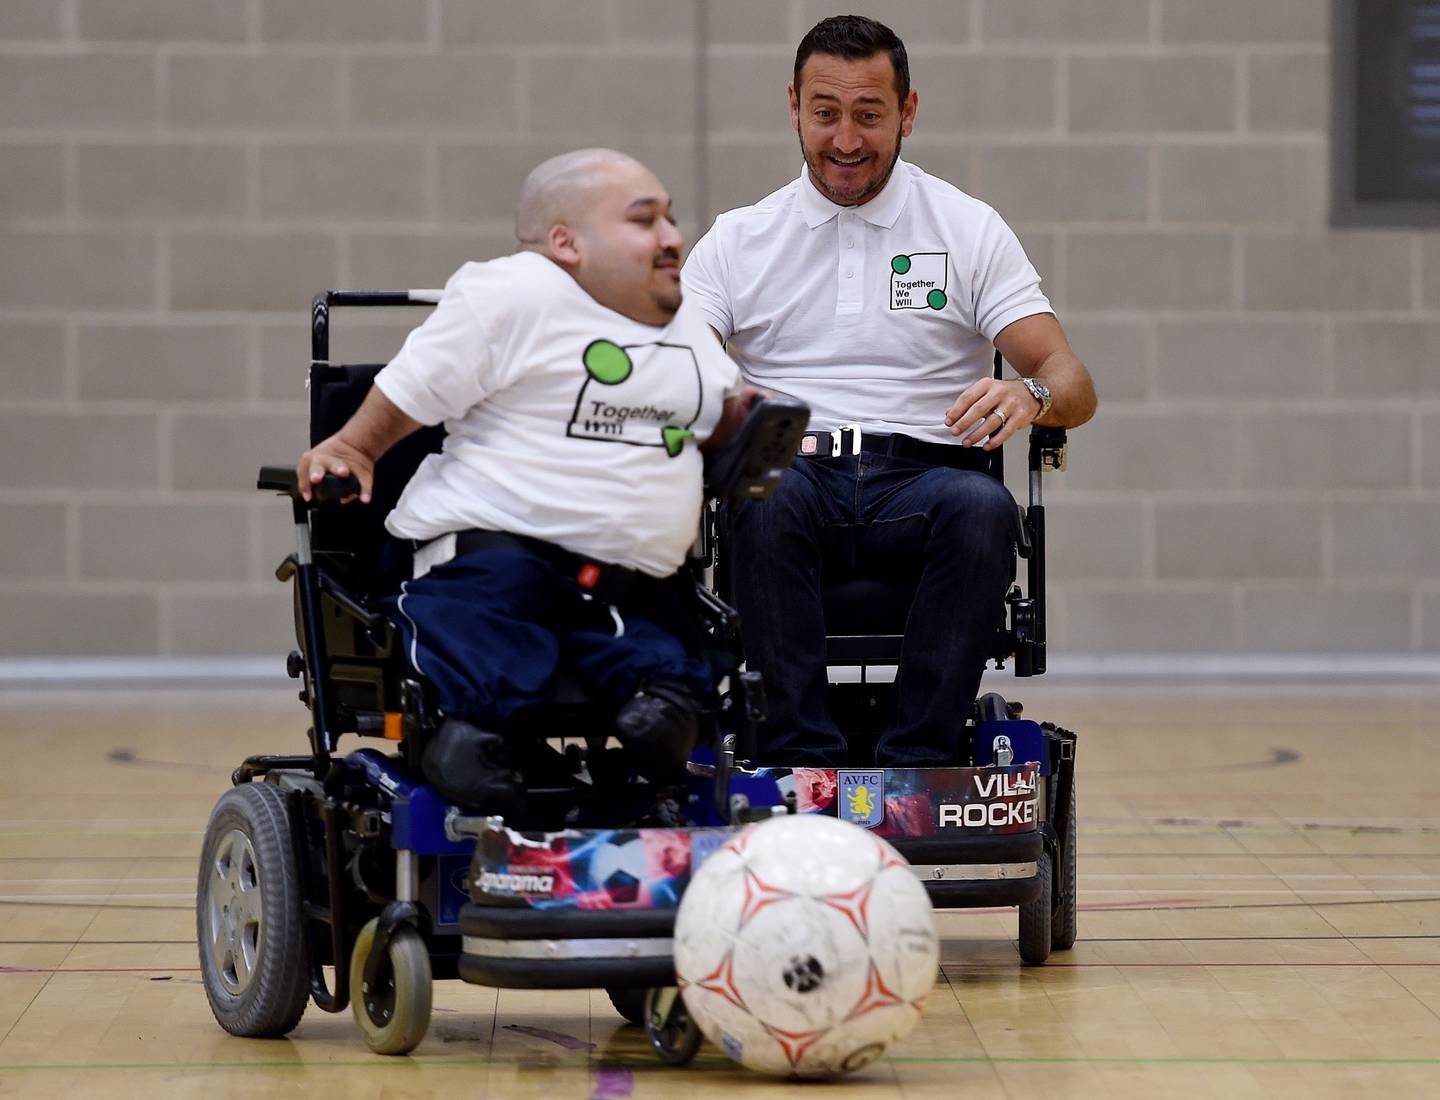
x,y
1041,392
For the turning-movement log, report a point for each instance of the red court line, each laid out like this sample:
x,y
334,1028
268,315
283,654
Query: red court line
x,y
1136,903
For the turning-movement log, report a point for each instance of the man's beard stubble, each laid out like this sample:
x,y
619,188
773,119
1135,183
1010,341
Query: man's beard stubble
x,y
668,302
869,190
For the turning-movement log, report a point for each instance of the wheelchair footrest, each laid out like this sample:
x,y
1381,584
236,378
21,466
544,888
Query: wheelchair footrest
x,y
984,895
524,948
971,850
524,923
968,871
479,969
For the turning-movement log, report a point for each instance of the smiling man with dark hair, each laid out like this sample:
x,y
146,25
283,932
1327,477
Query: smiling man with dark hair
x,y
862,41
875,293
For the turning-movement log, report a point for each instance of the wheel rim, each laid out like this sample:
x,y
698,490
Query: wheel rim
x,y
233,912
380,995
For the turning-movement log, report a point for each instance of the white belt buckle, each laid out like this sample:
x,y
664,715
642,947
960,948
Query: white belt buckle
x,y
843,435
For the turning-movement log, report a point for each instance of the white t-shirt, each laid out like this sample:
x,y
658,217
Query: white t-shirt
x,y
877,315
567,421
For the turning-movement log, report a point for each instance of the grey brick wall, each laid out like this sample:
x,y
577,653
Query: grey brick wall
x,y
178,176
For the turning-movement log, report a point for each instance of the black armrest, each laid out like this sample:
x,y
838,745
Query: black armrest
x,y
1047,448
356,607
281,479
750,465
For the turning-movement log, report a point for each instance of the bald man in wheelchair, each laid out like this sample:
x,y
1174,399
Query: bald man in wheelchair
x,y
575,390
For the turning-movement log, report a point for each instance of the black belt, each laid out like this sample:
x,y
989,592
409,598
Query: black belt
x,y
614,584
848,440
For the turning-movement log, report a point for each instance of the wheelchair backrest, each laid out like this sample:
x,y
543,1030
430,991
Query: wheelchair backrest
x,y
358,529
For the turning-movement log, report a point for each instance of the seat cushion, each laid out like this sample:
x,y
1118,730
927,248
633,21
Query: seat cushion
x,y
867,605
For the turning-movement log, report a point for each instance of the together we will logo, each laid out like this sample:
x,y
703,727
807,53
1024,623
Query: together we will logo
x,y
646,395
917,281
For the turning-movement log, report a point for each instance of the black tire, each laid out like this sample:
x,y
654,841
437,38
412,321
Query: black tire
x,y
673,1033
630,1003
992,707
248,915
1035,923
394,1017
1063,924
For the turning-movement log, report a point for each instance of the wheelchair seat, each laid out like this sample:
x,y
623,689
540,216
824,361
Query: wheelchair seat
x,y
866,613
875,601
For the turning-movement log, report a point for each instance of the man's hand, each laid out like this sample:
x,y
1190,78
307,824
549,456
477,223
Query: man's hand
x,y
993,407
353,451
335,456
736,409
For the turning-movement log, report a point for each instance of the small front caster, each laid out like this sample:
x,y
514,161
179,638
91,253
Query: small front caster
x,y
670,1029
393,1013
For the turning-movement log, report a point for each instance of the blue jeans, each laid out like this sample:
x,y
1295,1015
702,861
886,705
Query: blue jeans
x,y
492,629
874,514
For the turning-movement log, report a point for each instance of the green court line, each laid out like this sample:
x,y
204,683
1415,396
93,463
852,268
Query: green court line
x,y
712,1060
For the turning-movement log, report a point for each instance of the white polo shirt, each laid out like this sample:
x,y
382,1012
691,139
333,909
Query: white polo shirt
x,y
565,420
879,314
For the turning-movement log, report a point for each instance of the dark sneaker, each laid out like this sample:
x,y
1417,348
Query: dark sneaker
x,y
659,725
472,768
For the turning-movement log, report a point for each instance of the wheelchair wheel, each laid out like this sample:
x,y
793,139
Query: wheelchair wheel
x,y
1035,918
673,1033
1062,931
630,1003
248,915
394,1013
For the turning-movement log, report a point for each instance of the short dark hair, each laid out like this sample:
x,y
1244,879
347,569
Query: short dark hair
x,y
855,38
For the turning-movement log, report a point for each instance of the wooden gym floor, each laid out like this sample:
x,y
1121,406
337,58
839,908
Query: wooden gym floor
x,y
1260,896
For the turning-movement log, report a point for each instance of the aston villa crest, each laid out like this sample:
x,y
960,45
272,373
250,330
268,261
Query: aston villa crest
x,y
862,797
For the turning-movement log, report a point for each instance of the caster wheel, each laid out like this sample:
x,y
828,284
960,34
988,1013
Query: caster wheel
x,y
394,1013
630,1003
248,915
1035,918
673,1034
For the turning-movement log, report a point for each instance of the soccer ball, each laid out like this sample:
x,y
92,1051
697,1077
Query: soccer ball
x,y
805,946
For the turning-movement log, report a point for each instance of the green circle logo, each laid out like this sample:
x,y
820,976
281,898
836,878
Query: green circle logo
x,y
936,299
607,362
900,265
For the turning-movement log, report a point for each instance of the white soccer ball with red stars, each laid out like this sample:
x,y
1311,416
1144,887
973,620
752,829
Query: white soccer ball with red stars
x,y
805,946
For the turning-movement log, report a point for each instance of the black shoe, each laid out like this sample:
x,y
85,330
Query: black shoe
x,y
658,725
472,768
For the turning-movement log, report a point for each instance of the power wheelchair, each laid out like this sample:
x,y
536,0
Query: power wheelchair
x,y
351,861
